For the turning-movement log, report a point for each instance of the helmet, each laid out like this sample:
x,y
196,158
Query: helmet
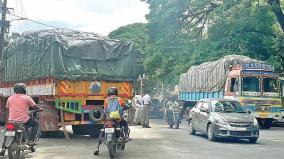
x,y
112,91
20,88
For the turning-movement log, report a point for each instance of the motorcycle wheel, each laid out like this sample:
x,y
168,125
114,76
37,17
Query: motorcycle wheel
x,y
112,148
14,151
170,119
177,120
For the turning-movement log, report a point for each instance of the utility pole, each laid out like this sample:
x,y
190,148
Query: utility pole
x,y
141,78
3,27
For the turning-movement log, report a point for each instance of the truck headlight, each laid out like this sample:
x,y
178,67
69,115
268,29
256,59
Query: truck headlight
x,y
255,122
220,121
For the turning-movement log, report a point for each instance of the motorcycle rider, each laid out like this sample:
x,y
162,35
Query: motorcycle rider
x,y
18,106
114,103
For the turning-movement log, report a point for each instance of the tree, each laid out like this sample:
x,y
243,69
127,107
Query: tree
x,y
193,31
200,16
137,33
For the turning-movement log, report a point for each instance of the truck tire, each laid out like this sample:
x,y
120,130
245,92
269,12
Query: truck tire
x,y
96,116
80,129
95,130
48,134
266,124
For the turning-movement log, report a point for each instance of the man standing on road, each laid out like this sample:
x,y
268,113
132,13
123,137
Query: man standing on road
x,y
146,109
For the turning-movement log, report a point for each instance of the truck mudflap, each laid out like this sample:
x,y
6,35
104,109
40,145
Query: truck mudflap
x,y
49,118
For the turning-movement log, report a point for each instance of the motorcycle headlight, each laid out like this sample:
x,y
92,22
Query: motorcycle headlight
x,y
220,121
255,122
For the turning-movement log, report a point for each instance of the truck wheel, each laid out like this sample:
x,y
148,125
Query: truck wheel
x,y
2,123
266,124
48,134
96,130
79,130
210,132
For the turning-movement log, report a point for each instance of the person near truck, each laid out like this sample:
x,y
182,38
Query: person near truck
x,y
146,108
18,106
114,103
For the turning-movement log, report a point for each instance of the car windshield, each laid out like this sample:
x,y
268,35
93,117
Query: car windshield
x,y
270,85
227,106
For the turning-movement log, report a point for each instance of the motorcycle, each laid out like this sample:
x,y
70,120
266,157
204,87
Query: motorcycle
x,y
173,117
16,137
113,136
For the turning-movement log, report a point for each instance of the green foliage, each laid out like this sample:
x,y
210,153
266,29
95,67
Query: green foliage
x,y
189,32
182,33
137,33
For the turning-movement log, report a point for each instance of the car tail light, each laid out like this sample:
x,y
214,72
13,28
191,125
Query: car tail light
x,y
10,126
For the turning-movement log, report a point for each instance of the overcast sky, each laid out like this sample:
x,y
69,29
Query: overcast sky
x,y
99,16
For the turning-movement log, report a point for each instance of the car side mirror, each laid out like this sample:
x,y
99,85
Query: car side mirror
x,y
202,109
249,112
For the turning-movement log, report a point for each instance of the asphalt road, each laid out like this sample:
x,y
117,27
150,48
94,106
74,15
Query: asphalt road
x,y
160,142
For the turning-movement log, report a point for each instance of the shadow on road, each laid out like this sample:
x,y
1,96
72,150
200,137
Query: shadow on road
x,y
227,141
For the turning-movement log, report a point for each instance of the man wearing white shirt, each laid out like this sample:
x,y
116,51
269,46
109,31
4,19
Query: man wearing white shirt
x,y
146,108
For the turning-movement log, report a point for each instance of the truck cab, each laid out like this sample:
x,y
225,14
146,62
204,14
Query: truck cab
x,y
257,87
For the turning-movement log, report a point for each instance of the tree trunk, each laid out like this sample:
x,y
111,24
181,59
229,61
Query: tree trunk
x,y
276,7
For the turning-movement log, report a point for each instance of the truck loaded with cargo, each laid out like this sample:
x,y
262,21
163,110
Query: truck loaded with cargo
x,y
253,83
68,73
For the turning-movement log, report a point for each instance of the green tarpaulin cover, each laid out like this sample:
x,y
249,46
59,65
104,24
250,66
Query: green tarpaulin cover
x,y
68,54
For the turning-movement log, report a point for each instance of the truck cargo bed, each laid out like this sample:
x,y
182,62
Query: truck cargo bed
x,y
195,96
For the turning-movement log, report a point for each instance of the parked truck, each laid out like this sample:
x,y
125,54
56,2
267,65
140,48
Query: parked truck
x,y
68,73
254,83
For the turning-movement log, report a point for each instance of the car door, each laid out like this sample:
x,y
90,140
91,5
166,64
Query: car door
x,y
204,116
194,115
197,125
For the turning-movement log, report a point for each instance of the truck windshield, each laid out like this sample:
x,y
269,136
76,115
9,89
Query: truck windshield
x,y
227,106
270,85
250,84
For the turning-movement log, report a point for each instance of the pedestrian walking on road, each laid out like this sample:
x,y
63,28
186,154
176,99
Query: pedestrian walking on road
x,y
131,113
138,102
146,108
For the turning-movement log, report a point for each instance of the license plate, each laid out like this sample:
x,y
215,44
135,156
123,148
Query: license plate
x,y
109,130
109,137
10,133
239,129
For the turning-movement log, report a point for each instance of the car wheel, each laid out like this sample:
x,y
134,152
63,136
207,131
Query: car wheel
x,y
210,132
253,140
192,131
